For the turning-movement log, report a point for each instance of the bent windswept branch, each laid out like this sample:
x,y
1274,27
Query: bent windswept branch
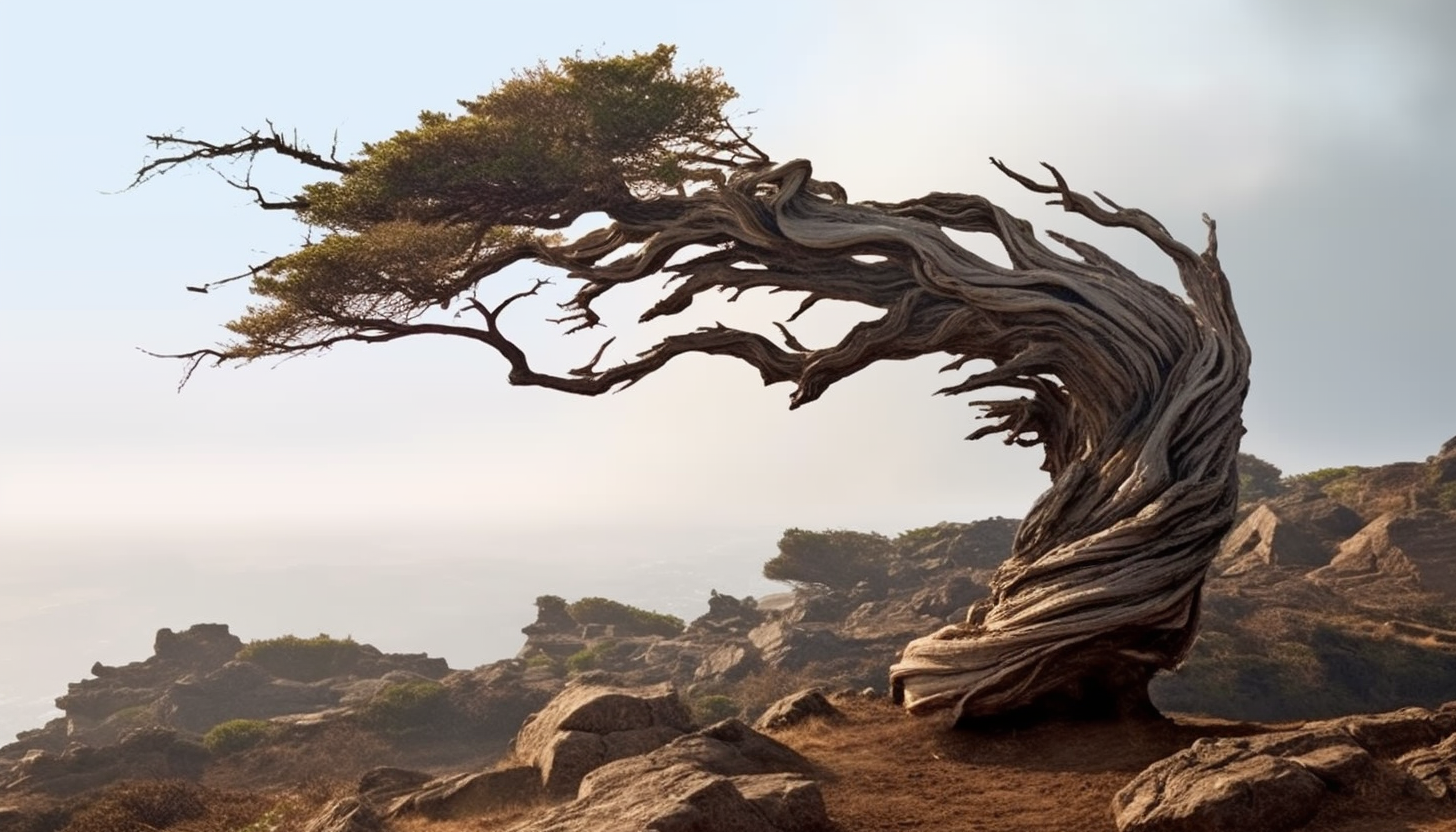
x,y
1134,393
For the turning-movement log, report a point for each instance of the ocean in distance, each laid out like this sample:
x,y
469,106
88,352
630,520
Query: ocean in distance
x,y
463,595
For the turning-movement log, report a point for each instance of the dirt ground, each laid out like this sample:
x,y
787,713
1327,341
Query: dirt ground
x,y
889,771
882,771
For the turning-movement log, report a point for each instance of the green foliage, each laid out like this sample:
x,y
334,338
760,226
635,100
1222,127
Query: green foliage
x,y
1445,496
626,620
302,659
1328,673
1324,476
419,217
136,716
838,559
546,660
403,706
552,605
1258,479
596,655
584,659
912,539
271,821
707,710
236,735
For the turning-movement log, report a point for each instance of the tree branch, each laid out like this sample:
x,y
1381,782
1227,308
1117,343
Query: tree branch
x,y
255,142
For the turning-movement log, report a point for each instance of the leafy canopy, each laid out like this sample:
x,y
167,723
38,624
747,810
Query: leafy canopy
x,y
419,218
838,558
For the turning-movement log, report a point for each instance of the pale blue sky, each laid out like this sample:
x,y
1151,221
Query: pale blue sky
x,y
1318,134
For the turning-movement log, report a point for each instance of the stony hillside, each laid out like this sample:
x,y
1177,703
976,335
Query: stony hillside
x,y
1333,596
1336,594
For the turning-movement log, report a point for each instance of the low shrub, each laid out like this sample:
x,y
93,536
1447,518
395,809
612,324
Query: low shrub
x,y
707,710
1322,477
1445,496
236,735
544,659
838,559
763,687
404,706
136,716
590,658
1258,479
141,806
626,620
1327,672
303,659
150,805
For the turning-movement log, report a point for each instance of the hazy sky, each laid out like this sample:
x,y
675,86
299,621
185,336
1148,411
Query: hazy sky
x,y
1318,134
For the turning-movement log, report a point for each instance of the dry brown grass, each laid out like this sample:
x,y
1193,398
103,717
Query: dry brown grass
x,y
890,771
179,805
490,822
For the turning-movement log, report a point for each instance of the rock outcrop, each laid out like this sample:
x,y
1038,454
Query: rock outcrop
x,y
1278,781
617,758
146,753
796,708
1402,550
725,777
588,725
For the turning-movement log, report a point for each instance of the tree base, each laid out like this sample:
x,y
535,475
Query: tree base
x,y
1091,700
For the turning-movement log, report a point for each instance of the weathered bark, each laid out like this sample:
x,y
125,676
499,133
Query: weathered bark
x,y
1134,392
1136,395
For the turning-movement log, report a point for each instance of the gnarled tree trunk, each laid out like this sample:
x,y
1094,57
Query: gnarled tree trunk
x,y
1134,392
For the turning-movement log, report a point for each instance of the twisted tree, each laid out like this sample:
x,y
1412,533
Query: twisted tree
x,y
1133,392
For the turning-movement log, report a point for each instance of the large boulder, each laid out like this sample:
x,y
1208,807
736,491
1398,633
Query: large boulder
x,y
1433,769
1272,783
789,646
1411,548
1265,538
471,793
588,725
240,690
727,614
346,814
201,648
726,778
1278,781
149,753
1393,734
796,708
728,662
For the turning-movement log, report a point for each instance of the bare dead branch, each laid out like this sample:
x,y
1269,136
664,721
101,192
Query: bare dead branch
x,y
253,143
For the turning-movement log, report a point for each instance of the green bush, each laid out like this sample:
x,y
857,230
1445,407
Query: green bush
x,y
626,619
236,735
402,706
1322,477
716,708
589,658
544,659
1445,496
1326,673
136,716
838,559
1258,479
303,659
912,539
